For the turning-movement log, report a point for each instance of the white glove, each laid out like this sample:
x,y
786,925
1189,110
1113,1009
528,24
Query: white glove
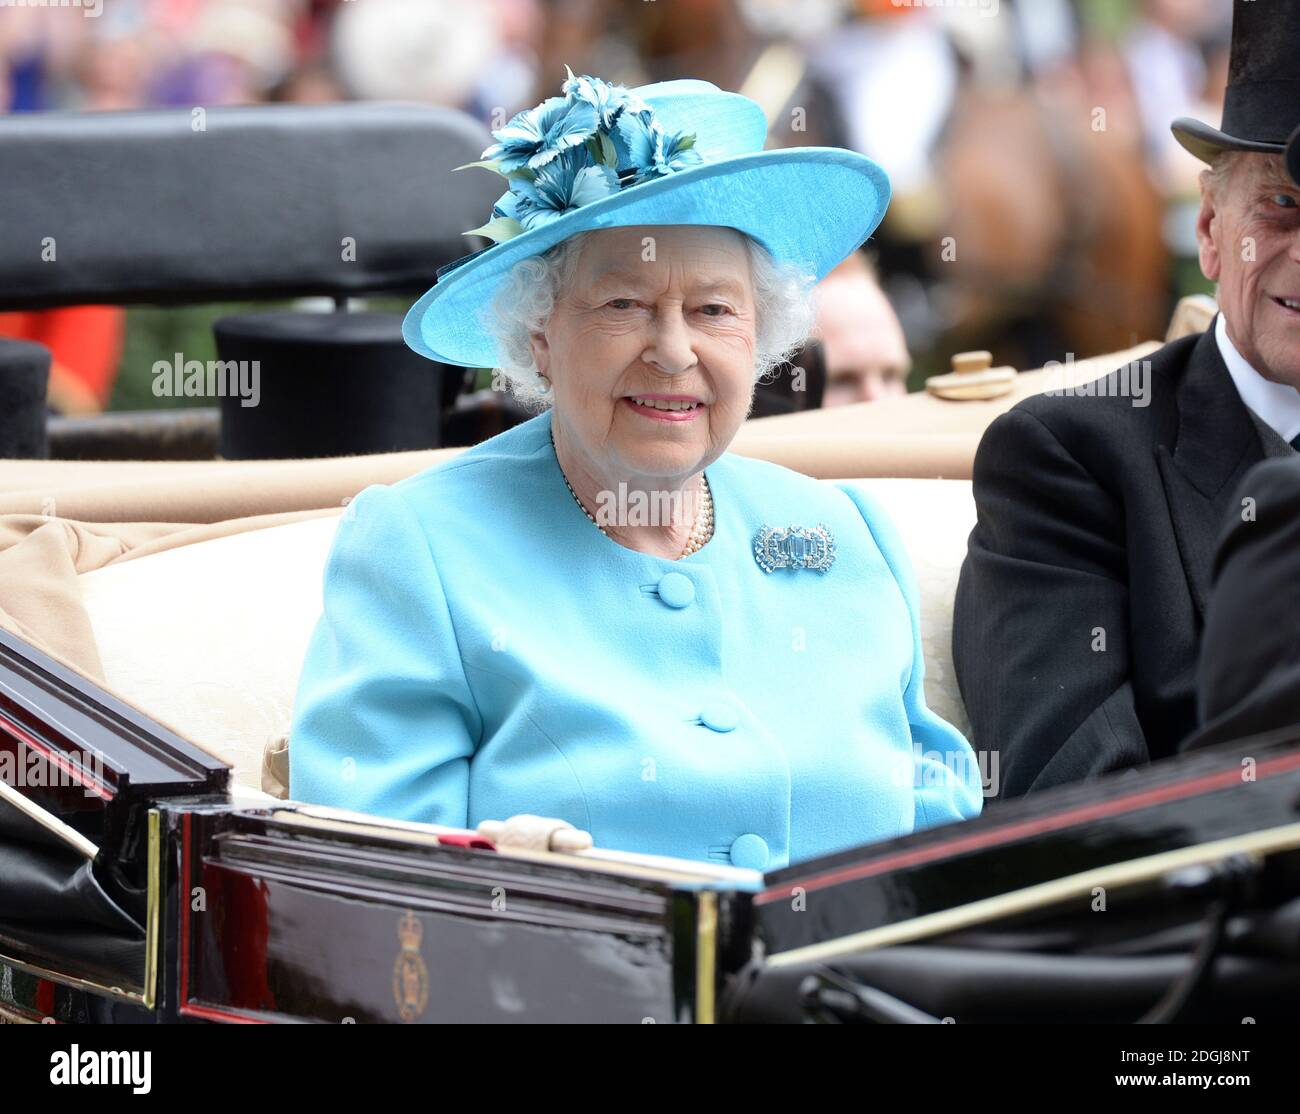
x,y
535,833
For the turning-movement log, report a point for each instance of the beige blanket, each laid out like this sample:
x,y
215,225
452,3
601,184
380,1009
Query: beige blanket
x,y
59,519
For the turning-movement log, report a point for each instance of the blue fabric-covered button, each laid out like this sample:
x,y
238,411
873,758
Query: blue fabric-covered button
x,y
676,589
718,715
749,851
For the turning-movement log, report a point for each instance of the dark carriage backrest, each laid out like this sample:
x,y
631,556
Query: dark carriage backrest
x,y
182,206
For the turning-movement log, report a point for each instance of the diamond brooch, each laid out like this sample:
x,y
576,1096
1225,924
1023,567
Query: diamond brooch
x,y
794,547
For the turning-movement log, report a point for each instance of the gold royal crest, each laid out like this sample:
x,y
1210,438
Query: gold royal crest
x,y
410,976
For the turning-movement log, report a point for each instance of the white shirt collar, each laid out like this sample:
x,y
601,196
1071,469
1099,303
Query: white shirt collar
x,y
1276,404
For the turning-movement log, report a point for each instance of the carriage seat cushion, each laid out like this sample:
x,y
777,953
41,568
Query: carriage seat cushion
x,y
208,638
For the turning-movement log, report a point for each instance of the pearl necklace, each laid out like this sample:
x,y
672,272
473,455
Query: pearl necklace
x,y
701,531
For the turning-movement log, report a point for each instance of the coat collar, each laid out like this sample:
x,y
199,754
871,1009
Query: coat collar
x,y
1215,432
1216,444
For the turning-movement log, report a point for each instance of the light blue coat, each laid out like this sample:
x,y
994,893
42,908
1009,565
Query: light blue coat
x,y
486,651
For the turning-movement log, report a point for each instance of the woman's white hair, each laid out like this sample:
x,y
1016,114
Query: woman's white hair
x,y
783,312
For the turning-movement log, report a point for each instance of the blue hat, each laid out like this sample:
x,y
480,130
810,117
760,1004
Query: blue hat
x,y
676,152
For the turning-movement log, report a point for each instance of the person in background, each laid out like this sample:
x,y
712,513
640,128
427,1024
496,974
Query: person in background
x,y
1168,70
863,346
85,344
1079,612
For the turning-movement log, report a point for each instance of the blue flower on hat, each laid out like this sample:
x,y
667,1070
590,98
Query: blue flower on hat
x,y
647,151
572,150
569,181
607,99
535,136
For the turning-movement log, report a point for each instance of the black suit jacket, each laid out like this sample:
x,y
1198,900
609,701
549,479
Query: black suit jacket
x,y
1080,607
1250,655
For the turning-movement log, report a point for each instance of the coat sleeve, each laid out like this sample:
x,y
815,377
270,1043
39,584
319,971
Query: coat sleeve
x,y
945,775
384,721
1040,624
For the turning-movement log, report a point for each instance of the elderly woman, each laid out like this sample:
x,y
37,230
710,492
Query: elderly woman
x,y
600,615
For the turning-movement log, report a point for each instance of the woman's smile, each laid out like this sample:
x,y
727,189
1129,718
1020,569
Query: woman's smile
x,y
664,408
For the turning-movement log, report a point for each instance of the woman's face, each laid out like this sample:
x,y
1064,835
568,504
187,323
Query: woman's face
x,y
650,349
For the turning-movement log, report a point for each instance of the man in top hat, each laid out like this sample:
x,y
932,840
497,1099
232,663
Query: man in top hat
x,y
1250,659
1079,614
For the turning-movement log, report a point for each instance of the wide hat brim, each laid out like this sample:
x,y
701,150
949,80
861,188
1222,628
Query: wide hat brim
x,y
808,205
1293,156
1207,143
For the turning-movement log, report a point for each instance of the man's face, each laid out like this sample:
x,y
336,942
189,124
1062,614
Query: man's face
x,y
1249,233
866,353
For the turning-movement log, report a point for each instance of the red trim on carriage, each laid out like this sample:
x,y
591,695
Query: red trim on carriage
x,y
74,770
185,1006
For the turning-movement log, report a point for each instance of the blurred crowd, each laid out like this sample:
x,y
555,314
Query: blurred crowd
x,y
1041,205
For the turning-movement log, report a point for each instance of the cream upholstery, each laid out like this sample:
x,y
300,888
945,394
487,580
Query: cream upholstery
x,y
934,517
208,638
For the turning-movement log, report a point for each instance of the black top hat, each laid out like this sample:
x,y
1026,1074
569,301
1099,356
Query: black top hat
x,y
1293,156
1262,106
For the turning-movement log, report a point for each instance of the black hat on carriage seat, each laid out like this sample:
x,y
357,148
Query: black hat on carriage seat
x,y
1293,156
1262,105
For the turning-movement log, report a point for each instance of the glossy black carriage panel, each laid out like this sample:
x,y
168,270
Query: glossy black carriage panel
x,y
277,921
80,770
1243,789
